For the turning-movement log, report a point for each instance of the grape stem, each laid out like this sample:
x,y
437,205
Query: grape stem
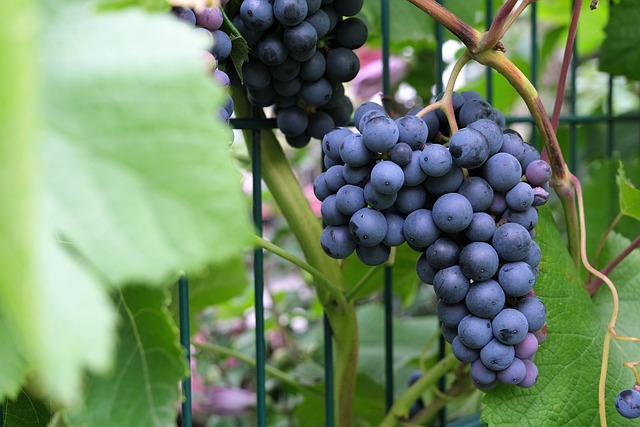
x,y
400,408
503,20
595,284
632,366
611,329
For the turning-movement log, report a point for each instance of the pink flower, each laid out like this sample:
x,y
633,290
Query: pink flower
x,y
368,82
229,401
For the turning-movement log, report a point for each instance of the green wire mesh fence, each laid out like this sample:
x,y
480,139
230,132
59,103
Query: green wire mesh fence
x,y
571,122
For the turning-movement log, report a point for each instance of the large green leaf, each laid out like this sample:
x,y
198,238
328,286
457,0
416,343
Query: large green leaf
x,y
139,175
566,393
619,54
143,388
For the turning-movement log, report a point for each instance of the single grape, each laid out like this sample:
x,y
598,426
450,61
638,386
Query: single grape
x,y
470,94
210,18
222,78
462,352
530,376
387,177
331,13
496,355
511,241
516,278
342,65
475,332
520,197
342,112
256,75
452,212
443,253
527,348
288,88
401,154
313,6
419,229
449,332
513,144
368,227
530,154
479,261
263,97
514,374
481,375
469,148
353,151
292,121
510,326
481,228
373,255
256,15
363,109
538,172
435,160
300,40
380,134
449,284
498,204
349,199
334,178
534,256
451,314
336,241
271,50
185,14
502,171
316,93
478,192
628,403
474,110
485,299
290,12
252,37
221,45
534,311
351,33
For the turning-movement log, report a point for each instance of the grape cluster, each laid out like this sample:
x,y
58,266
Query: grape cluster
x,y
301,53
208,22
628,403
467,203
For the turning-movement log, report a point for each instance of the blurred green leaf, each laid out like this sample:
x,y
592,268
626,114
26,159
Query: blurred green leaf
x,y
619,54
629,195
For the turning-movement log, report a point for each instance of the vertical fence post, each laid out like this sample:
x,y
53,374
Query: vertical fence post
x,y
185,340
329,412
388,271
258,274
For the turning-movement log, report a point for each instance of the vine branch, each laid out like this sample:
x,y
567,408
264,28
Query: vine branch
x,y
595,284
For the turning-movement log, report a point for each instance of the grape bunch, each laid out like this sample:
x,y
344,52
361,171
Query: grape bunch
x,y
628,403
467,203
301,53
208,22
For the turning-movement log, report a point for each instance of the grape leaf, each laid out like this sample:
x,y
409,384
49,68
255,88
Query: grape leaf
x,y
569,360
140,178
619,54
143,388
629,195
25,410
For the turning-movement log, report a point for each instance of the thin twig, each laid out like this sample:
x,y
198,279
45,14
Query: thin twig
x,y
601,243
446,104
566,60
492,36
363,281
632,366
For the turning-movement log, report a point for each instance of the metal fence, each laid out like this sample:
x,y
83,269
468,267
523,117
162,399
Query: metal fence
x,y
570,121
